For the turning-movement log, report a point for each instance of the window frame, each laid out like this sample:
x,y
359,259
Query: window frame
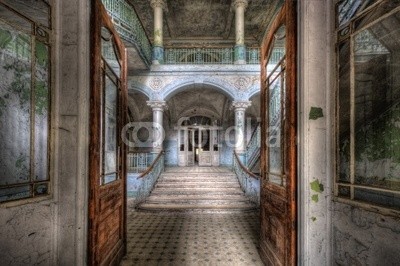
x,y
350,33
39,33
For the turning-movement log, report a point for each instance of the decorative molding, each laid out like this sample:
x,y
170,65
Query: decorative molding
x,y
240,105
240,3
158,105
159,3
156,84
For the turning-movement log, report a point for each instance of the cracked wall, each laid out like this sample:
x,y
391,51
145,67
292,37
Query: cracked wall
x,y
363,237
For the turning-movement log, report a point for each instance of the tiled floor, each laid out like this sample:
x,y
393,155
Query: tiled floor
x,y
192,238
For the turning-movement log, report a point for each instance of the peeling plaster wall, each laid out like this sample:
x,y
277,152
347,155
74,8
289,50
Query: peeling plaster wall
x,y
315,132
362,237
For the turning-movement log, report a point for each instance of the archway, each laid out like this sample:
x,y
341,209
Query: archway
x,y
183,140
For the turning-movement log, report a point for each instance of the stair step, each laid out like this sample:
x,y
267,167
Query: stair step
x,y
166,174
153,206
195,178
213,185
197,189
195,193
179,190
197,197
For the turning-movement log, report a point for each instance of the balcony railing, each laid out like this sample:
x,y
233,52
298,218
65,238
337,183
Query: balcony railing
x,y
203,56
249,182
128,25
139,162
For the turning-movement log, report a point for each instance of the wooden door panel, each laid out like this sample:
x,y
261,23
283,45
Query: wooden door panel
x,y
278,112
107,157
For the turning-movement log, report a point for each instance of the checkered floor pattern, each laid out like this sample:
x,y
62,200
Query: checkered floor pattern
x,y
191,238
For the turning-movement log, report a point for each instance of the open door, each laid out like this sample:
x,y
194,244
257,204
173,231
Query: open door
x,y
107,161
278,156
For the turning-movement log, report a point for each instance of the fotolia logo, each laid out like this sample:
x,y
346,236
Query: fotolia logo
x,y
151,134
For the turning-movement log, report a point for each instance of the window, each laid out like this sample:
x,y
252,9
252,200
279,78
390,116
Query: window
x,y
24,99
368,105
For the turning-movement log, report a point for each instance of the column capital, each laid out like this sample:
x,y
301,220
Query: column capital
x,y
240,3
240,105
158,3
158,105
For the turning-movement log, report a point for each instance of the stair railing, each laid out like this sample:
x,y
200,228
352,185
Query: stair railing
x,y
149,178
253,148
139,162
249,182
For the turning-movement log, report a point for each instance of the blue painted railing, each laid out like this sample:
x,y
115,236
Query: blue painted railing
x,y
140,186
249,182
129,27
202,56
253,148
139,162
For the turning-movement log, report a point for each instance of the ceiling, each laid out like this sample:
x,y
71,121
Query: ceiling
x,y
207,22
199,100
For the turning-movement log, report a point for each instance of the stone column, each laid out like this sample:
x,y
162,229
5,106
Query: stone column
x,y
158,129
158,48
240,48
240,108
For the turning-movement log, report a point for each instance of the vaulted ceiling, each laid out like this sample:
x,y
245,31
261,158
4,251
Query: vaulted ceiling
x,y
207,22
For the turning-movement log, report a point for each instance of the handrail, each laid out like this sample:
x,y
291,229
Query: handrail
x,y
249,182
245,168
151,167
142,185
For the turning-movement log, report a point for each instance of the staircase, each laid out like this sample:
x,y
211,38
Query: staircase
x,y
197,189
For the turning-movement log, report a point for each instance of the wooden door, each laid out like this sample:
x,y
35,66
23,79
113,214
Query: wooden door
x,y
107,161
279,173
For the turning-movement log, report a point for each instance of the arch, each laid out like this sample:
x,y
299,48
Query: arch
x,y
254,90
136,86
182,84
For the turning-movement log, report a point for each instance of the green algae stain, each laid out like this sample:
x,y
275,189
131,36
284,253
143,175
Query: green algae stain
x,y
317,186
313,219
316,113
315,198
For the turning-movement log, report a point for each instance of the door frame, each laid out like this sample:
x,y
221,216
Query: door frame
x,y
99,19
287,16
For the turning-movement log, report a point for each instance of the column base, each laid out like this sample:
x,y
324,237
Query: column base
x,y
158,55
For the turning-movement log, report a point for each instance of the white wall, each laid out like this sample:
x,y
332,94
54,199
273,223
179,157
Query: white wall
x,y
315,136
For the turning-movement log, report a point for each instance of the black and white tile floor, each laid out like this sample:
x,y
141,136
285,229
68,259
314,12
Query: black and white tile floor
x,y
191,238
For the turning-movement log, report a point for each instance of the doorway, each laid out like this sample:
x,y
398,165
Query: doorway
x,y
198,146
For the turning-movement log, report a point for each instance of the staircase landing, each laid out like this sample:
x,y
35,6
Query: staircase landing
x,y
197,189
